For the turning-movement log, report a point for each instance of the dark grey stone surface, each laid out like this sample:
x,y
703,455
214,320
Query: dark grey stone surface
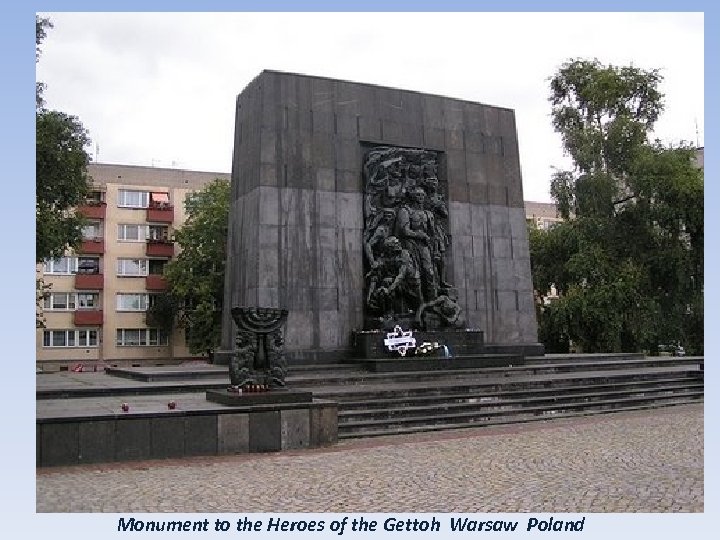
x,y
439,363
370,343
226,397
102,438
59,443
294,428
132,439
201,435
97,441
296,213
167,437
265,432
324,425
233,433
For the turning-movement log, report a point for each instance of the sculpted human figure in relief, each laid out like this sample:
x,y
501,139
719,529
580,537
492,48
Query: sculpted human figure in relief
x,y
405,242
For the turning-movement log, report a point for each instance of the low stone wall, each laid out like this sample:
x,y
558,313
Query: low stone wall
x,y
177,434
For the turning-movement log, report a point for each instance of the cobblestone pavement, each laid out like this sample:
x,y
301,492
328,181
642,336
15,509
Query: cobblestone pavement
x,y
649,461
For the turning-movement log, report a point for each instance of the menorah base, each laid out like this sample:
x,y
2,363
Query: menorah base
x,y
269,397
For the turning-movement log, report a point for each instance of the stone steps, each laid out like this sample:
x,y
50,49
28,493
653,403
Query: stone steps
x,y
500,405
490,397
521,417
443,386
471,398
374,403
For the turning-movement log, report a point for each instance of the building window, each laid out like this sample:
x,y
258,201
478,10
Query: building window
x,y
132,233
88,300
95,198
92,231
157,266
548,224
128,337
62,266
132,267
133,301
157,232
60,301
132,199
70,338
88,265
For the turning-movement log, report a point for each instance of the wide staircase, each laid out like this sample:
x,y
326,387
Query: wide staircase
x,y
402,397
543,388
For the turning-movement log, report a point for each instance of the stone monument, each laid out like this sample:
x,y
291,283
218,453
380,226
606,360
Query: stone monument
x,y
257,367
355,207
259,360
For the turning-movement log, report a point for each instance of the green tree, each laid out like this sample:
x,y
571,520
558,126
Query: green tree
x,y
628,260
196,277
61,179
62,182
41,26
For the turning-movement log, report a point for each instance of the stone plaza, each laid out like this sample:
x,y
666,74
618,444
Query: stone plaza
x,y
646,461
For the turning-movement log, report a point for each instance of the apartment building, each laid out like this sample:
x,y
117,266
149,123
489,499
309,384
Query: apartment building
x,y
543,215
95,312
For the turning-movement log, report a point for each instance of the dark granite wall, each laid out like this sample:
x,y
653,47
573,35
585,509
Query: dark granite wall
x,y
296,219
108,438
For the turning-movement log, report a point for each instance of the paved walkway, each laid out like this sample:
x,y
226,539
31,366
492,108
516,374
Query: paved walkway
x,y
649,461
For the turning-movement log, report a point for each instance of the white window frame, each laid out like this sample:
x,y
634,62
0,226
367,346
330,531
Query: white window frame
x,y
142,265
125,194
95,259
158,232
95,234
51,264
143,301
85,338
53,297
142,232
146,337
73,301
81,298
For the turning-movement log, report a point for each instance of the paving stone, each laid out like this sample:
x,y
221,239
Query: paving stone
x,y
649,461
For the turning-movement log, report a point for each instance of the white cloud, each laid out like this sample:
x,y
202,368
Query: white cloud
x,y
160,87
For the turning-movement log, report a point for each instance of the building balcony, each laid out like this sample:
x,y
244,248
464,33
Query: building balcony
x,y
92,246
159,248
88,317
92,282
155,282
160,213
95,210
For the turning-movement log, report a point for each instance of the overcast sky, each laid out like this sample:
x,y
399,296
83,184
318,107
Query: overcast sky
x,y
159,89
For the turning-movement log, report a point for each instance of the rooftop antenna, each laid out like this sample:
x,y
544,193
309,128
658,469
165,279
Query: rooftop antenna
x,y
97,151
697,134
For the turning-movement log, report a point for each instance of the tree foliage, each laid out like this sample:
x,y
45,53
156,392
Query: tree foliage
x,y
41,26
196,277
61,182
60,173
628,260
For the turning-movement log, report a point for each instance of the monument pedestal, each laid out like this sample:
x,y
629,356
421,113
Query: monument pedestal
x,y
460,342
270,397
